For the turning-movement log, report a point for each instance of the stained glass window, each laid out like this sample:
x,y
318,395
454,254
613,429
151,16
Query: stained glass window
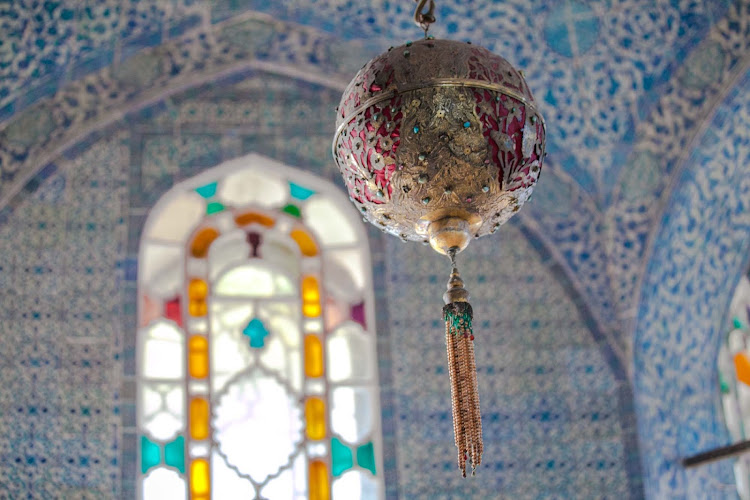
x,y
734,381
256,353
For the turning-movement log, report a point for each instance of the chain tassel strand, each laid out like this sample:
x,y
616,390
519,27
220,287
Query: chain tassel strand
x,y
459,341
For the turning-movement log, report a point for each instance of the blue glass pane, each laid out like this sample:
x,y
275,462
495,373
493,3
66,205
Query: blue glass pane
x,y
150,454
341,457
257,332
366,457
174,454
208,190
299,192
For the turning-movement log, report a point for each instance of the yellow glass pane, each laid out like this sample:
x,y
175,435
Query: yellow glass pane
x,y
315,417
197,308
198,357
313,356
311,310
310,289
197,289
305,242
254,218
202,242
200,478
318,481
742,367
199,419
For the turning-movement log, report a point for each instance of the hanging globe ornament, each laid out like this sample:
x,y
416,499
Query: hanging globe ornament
x,y
440,141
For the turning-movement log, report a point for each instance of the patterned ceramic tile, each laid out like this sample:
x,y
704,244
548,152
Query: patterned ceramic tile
x,y
626,86
701,251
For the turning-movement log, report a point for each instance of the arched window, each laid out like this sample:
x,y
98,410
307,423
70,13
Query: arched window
x,y
734,380
257,373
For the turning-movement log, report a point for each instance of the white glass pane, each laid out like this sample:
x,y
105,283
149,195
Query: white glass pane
x,y
280,487
219,380
176,220
355,485
174,399
317,449
199,450
163,355
328,222
313,326
253,281
273,355
151,401
352,413
281,252
254,413
285,306
224,221
350,354
226,483
164,484
300,477
198,387
228,354
230,315
283,285
314,386
197,268
344,274
228,251
160,269
294,369
163,425
197,325
253,187
287,328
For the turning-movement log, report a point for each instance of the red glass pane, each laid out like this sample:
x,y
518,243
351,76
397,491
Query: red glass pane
x,y
358,314
173,311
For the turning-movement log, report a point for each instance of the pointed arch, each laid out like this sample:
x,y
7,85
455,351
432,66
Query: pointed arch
x,y
256,361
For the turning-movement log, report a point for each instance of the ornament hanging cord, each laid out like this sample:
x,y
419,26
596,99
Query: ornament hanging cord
x,y
422,18
459,343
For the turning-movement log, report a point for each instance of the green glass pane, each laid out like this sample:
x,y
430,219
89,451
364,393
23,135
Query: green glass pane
x,y
737,322
174,454
214,207
292,210
299,192
257,332
150,454
341,457
366,457
207,191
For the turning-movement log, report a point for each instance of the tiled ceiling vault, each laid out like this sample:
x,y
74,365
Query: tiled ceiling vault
x,y
645,107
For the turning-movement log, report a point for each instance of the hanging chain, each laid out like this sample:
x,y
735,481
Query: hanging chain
x,y
422,18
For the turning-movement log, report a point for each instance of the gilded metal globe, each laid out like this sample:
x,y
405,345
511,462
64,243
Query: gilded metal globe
x,y
439,141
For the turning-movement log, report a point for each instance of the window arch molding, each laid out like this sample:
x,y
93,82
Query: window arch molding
x,y
255,292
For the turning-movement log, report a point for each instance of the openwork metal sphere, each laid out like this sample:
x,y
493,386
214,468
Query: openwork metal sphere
x,y
439,137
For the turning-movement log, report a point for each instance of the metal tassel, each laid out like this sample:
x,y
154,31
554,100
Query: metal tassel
x,y
459,341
